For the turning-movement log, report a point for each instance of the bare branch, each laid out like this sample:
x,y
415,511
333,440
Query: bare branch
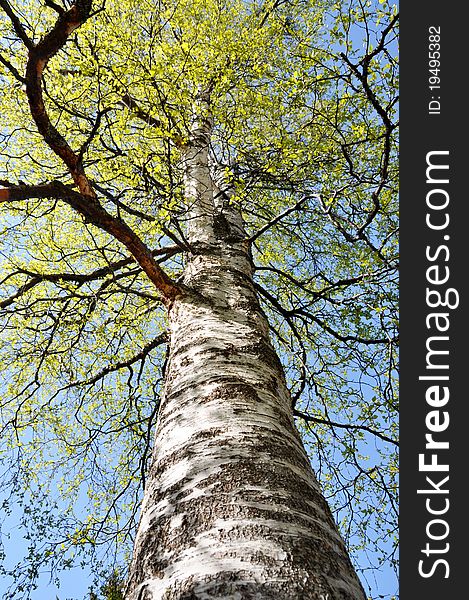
x,y
78,278
288,314
158,341
22,290
350,426
276,219
132,105
380,46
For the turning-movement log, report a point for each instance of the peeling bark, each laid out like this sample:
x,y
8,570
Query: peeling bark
x,y
232,508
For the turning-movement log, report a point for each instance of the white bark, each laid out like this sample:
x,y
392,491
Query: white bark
x,y
232,508
198,182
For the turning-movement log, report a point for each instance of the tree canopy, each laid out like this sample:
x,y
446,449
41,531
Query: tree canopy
x,y
303,97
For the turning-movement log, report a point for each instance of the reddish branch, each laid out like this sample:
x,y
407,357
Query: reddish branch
x,y
95,214
85,201
39,56
35,278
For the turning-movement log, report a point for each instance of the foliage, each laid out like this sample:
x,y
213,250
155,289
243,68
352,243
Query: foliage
x,y
111,589
303,96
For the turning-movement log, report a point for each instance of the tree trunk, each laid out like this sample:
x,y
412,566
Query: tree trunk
x,y
232,508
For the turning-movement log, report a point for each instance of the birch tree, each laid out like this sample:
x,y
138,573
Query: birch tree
x,y
199,249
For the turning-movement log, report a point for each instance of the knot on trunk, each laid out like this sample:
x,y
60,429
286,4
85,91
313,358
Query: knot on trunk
x,y
223,230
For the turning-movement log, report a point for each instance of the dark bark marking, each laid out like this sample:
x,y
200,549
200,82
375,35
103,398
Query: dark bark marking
x,y
224,231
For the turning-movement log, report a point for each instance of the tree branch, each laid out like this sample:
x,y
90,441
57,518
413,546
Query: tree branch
x,y
380,46
13,70
51,4
132,105
95,214
19,30
85,202
78,278
363,78
136,110
158,341
310,419
20,291
288,314
276,219
39,56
